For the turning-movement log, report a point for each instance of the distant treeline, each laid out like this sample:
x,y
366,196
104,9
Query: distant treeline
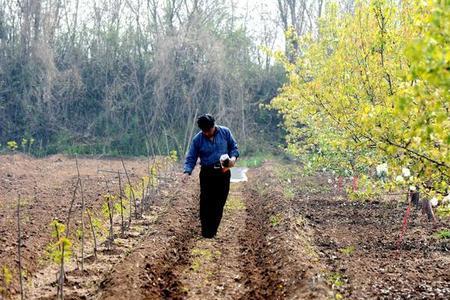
x,y
129,77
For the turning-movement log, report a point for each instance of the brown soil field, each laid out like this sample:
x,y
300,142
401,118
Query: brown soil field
x,y
304,242
46,189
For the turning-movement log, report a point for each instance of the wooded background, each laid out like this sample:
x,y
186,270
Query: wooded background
x,y
129,76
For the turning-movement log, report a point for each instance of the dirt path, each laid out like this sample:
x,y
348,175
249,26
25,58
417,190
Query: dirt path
x,y
214,270
249,259
252,258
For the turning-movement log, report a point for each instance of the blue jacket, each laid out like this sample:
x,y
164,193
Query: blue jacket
x,y
210,151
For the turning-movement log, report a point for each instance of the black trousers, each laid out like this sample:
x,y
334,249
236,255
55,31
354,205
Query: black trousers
x,y
214,189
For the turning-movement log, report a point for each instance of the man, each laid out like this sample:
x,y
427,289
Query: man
x,y
211,144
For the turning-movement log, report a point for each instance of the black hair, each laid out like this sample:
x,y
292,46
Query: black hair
x,y
205,122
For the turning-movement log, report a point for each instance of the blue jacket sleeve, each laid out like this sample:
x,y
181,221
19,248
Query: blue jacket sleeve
x,y
191,157
232,146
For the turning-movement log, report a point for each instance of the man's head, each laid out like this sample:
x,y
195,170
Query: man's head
x,y
206,124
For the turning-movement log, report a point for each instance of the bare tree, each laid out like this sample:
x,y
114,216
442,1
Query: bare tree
x,y
301,16
123,76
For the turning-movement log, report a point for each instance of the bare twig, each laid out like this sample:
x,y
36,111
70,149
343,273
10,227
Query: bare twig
x,y
122,226
60,289
143,197
82,214
108,171
19,250
61,275
110,206
132,192
93,233
69,215
111,216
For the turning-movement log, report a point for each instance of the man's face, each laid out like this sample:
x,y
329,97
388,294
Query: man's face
x,y
209,133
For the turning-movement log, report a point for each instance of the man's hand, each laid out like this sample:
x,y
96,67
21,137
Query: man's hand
x,y
185,178
232,162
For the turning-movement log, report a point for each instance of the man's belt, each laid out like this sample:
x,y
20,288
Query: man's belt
x,y
216,166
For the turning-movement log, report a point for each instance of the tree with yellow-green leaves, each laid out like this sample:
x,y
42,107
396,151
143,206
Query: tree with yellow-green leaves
x,y
373,88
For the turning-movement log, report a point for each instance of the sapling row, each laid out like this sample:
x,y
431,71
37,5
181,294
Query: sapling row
x,y
61,248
